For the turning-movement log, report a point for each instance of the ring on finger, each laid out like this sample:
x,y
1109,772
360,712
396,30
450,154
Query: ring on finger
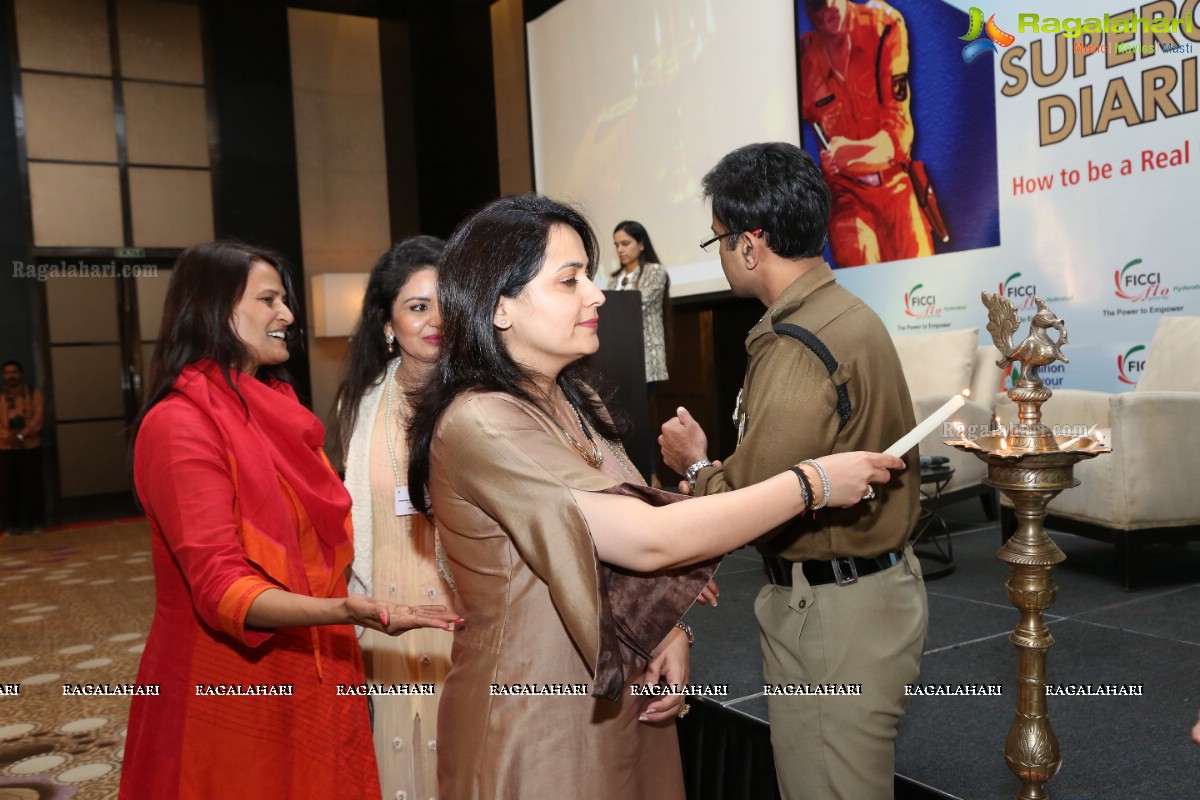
x,y
683,712
870,495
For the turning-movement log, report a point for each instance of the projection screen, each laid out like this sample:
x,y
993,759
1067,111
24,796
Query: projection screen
x,y
633,101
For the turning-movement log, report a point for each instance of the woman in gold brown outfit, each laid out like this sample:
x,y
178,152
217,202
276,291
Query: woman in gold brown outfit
x,y
571,572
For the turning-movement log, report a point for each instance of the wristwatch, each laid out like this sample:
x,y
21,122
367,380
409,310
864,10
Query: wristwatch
x,y
694,470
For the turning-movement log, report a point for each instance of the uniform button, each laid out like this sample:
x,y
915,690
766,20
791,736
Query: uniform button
x,y
425,660
392,589
432,745
397,743
401,795
431,592
803,602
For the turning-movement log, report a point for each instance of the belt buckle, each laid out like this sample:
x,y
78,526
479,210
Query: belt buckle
x,y
841,577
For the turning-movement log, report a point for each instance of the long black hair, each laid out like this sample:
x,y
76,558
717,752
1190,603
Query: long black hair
x,y
637,232
367,358
493,253
207,281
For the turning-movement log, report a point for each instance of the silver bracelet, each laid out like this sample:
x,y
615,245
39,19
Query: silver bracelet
x,y
824,482
687,630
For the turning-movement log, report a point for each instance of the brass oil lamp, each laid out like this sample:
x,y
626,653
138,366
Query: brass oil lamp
x,y
1030,465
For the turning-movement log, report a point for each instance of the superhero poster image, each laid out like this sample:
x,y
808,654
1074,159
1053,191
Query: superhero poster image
x,y
903,125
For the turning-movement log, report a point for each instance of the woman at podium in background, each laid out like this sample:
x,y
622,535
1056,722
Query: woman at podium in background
x,y
396,341
639,270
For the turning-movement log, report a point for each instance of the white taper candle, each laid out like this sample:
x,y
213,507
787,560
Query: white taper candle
x,y
928,426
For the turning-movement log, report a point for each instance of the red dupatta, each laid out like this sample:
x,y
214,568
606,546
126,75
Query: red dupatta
x,y
275,451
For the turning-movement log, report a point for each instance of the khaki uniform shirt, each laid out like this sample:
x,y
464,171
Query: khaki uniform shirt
x,y
790,409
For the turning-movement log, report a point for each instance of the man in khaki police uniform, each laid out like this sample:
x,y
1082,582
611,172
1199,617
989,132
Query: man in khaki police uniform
x,y
846,603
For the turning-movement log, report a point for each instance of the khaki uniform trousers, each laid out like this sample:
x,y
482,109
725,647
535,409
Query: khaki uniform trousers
x,y
871,633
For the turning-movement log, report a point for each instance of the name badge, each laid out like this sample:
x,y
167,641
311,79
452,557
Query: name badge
x,y
404,506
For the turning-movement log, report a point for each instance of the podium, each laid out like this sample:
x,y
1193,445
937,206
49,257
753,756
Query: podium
x,y
621,360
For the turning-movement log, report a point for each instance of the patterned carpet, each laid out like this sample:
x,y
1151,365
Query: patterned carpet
x,y
75,608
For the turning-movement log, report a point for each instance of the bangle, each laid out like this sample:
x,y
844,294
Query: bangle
x,y
805,487
687,629
824,482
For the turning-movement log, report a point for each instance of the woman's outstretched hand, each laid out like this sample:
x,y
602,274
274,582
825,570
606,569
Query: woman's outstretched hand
x,y
394,620
851,474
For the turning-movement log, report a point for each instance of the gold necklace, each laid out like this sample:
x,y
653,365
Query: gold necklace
x,y
618,450
595,457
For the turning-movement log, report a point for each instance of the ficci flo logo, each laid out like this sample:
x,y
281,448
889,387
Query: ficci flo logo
x,y
921,306
1129,367
978,46
1053,376
1021,294
1136,285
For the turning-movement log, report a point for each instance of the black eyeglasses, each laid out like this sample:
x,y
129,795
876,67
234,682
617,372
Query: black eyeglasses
x,y
718,237
704,245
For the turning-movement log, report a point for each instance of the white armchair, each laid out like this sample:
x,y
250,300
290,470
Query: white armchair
x,y
937,365
1144,491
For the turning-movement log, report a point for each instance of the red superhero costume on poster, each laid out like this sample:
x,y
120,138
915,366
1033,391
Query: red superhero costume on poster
x,y
855,95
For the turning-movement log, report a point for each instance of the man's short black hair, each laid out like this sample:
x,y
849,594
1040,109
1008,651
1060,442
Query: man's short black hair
x,y
12,362
774,186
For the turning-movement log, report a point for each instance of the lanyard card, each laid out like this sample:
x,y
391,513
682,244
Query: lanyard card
x,y
404,506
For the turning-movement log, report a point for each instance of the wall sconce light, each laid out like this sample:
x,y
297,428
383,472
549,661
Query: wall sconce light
x,y
337,302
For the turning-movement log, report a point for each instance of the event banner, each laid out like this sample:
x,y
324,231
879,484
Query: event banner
x,y
1046,149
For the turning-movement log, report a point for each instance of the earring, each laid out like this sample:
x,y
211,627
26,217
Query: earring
x,y
391,343
502,323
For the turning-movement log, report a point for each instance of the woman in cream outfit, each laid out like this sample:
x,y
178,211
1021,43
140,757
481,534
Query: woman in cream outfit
x,y
397,339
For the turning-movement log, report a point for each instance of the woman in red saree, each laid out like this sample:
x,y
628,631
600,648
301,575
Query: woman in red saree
x,y
252,644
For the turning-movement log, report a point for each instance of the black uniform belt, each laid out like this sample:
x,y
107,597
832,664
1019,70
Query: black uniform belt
x,y
842,571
